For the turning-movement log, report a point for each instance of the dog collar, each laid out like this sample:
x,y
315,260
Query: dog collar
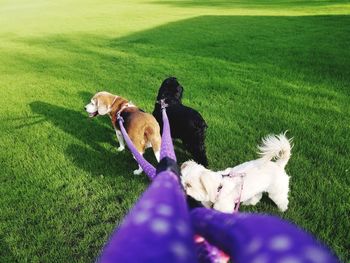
x,y
125,106
161,101
114,100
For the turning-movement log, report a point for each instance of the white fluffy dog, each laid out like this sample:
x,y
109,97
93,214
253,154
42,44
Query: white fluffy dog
x,y
222,189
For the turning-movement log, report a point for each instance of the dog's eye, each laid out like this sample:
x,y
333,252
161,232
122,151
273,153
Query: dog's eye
x,y
187,185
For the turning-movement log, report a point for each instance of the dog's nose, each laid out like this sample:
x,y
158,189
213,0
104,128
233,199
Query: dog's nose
x,y
84,107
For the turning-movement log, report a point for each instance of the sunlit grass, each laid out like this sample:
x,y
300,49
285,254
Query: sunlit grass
x,y
249,68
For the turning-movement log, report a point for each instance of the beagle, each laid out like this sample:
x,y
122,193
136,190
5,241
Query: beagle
x,y
142,127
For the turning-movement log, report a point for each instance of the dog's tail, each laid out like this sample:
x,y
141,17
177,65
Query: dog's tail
x,y
277,147
152,136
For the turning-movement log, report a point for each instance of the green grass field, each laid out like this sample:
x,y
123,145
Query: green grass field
x,y
250,67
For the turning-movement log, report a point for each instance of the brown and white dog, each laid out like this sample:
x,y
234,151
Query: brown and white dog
x,y
142,127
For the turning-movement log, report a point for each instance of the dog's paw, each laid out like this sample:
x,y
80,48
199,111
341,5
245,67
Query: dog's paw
x,y
120,148
283,206
137,172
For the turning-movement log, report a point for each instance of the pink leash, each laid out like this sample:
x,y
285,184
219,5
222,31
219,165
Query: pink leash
x,y
238,201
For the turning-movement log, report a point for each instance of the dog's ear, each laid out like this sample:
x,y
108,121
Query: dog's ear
x,y
184,165
211,183
178,92
102,108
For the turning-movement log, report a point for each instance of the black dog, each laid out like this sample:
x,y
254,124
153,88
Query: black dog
x,y
186,123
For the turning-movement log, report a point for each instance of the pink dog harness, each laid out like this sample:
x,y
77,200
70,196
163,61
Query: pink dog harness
x,y
234,174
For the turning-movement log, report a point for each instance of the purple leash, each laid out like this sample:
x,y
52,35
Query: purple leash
x,y
156,203
158,228
145,165
205,251
167,149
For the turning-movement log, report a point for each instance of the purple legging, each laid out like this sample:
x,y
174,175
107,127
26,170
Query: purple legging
x,y
259,238
157,229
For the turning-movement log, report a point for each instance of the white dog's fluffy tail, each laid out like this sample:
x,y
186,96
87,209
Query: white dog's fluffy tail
x,y
276,147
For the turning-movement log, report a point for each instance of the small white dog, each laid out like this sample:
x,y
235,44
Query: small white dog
x,y
222,189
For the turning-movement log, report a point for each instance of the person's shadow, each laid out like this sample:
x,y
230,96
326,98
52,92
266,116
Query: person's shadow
x,y
92,156
6,254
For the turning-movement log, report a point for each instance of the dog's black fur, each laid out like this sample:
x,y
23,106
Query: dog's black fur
x,y
126,119
186,123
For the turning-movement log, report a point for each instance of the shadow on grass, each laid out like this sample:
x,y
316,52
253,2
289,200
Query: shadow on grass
x,y
89,131
95,159
271,46
299,44
249,76
6,254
